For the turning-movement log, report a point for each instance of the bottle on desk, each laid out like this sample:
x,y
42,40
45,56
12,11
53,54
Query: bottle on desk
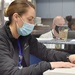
x,y
57,46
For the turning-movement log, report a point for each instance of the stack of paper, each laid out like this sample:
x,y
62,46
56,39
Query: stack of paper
x,y
60,71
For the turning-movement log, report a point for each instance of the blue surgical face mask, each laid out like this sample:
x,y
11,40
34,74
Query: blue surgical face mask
x,y
26,29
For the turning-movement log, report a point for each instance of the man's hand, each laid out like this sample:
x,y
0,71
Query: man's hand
x,y
61,65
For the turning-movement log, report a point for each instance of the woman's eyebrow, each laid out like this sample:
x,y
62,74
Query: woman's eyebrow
x,y
31,17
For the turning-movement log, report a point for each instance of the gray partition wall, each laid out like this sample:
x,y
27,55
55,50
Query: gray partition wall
x,y
52,8
1,13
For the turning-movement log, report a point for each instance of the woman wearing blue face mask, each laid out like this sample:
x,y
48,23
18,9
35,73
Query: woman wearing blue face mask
x,y
17,43
26,28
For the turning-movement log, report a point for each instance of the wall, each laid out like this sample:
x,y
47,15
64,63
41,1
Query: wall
x,y
52,8
1,13
47,22
0,18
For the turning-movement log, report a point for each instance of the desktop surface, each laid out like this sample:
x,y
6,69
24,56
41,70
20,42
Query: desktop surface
x,y
54,41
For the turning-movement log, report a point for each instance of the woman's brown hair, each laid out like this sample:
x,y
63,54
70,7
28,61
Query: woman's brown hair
x,y
70,20
18,6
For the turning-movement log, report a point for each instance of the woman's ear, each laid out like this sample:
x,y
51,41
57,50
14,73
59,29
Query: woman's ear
x,y
15,17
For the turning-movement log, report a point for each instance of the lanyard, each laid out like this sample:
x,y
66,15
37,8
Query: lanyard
x,y
53,33
20,54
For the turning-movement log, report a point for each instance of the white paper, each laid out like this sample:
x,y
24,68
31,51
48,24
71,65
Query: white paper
x,y
44,39
73,40
60,71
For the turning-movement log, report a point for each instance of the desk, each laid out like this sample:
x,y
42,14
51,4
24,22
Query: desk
x,y
69,44
54,41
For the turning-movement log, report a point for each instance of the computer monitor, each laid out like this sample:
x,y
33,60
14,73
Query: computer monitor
x,y
71,34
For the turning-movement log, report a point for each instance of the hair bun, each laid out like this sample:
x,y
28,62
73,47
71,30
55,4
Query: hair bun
x,y
69,18
5,12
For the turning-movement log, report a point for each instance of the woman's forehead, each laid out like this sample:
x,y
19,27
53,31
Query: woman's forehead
x,y
30,13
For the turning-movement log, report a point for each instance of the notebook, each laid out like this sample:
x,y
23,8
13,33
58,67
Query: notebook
x,y
60,71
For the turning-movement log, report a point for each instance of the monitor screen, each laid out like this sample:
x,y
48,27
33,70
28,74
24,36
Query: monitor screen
x,y
71,34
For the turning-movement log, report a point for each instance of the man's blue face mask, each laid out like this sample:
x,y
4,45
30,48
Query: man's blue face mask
x,y
26,29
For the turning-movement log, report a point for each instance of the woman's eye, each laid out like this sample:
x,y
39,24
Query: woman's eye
x,y
29,19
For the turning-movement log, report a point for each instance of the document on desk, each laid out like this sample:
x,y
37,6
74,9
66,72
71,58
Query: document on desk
x,y
60,71
47,39
73,40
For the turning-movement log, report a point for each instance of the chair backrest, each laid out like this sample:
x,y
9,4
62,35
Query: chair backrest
x,y
34,60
